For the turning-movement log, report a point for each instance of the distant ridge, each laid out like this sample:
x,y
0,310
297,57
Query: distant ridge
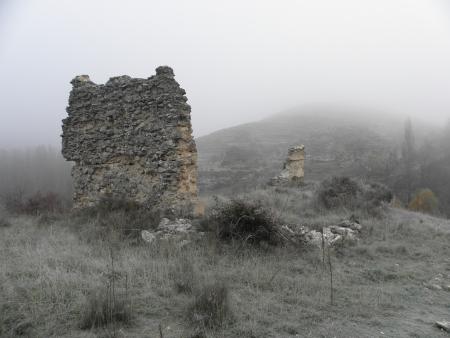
x,y
338,142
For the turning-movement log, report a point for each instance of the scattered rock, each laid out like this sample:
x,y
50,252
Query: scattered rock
x,y
434,287
179,230
147,236
443,325
354,225
439,282
23,327
346,232
176,226
314,237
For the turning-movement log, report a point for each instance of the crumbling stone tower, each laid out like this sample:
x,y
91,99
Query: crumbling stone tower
x,y
131,138
293,168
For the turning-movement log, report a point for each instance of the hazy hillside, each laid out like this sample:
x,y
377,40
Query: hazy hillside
x,y
337,143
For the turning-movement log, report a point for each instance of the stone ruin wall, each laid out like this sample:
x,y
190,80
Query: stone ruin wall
x,y
131,138
293,168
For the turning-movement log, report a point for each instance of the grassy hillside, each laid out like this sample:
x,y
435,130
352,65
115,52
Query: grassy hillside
x,y
392,283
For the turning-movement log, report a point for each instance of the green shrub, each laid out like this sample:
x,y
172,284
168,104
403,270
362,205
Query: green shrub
x,y
425,201
211,307
338,192
375,194
344,192
246,221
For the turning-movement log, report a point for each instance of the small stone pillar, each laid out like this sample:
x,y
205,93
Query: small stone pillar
x,y
293,168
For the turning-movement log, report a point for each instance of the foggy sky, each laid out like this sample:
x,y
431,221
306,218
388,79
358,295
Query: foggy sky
x,y
239,60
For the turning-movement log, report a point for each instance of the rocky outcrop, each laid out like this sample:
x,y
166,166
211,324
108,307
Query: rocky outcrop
x,y
293,168
131,139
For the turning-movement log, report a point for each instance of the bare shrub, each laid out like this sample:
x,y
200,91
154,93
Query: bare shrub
x,y
13,201
36,204
40,203
211,306
247,221
108,305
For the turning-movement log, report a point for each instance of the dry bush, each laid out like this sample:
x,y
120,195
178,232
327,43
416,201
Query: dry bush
x,y
183,275
211,306
36,204
118,217
425,201
247,221
41,203
105,307
13,201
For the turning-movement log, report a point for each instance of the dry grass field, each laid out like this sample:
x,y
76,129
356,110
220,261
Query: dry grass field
x,y
63,276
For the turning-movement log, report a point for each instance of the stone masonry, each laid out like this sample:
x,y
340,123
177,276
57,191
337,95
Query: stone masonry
x,y
293,168
131,139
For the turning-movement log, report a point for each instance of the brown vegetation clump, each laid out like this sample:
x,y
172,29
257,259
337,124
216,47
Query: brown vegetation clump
x,y
35,204
424,201
103,308
183,276
211,306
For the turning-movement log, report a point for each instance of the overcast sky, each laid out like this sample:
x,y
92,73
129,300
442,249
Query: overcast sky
x,y
239,60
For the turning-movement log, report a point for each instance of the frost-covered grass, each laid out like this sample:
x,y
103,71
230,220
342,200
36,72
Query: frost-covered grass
x,y
50,272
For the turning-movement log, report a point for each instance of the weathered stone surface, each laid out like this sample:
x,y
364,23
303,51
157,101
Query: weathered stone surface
x,y
179,225
354,225
131,138
345,233
439,282
443,325
179,230
293,168
148,236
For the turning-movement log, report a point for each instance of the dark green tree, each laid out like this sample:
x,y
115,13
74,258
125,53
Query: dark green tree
x,y
408,160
